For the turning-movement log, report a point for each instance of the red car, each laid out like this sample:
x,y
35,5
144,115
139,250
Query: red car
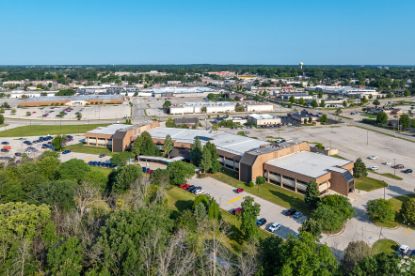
x,y
237,211
184,186
239,190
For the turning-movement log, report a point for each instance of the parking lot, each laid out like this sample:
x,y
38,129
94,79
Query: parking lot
x,y
228,199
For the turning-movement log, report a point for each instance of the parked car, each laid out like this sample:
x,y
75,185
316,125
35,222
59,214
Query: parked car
x,y
403,250
184,186
18,154
190,188
407,171
373,168
274,227
4,150
197,190
398,166
372,157
102,155
236,211
5,143
239,190
260,222
27,143
297,215
289,212
66,151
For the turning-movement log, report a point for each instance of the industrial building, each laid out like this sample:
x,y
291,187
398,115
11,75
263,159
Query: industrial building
x,y
347,91
198,91
290,165
202,107
117,137
71,100
259,107
264,120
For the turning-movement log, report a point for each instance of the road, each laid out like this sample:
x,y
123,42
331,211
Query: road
x,y
358,228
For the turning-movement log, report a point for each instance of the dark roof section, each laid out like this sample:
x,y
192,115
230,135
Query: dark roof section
x,y
185,121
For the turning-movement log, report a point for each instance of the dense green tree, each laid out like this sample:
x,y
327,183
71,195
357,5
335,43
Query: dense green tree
x,y
382,118
122,178
355,252
74,169
380,210
1,119
376,102
160,177
65,92
404,121
125,239
407,212
359,168
166,104
167,146
179,171
313,227
121,159
323,119
314,103
144,145
57,193
249,216
58,142
196,152
66,258
304,256
206,162
332,212
381,264
215,166
312,195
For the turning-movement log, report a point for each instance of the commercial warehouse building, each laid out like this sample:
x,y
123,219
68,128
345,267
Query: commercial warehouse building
x,y
258,107
290,164
264,120
199,107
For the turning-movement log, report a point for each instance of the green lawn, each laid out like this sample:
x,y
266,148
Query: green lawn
x,y
89,149
105,171
268,191
36,130
384,246
389,175
369,184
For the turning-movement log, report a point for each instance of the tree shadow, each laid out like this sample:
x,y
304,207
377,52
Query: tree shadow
x,y
182,205
294,202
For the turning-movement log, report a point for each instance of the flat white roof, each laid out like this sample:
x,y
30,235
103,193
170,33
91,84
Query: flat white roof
x,y
228,142
111,129
262,116
308,163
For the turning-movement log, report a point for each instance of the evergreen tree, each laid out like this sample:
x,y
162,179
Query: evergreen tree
x,y
312,195
168,146
359,168
196,152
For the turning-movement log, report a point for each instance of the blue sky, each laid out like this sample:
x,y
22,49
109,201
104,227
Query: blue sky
x,y
209,31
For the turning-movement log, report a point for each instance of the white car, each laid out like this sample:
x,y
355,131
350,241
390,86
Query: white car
x,y
372,157
274,227
403,249
373,168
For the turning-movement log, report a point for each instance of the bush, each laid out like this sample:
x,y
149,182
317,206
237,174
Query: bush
x,y
260,180
179,171
332,212
407,212
251,184
355,252
380,210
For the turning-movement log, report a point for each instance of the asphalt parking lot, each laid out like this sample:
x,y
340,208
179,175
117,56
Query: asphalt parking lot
x,y
228,199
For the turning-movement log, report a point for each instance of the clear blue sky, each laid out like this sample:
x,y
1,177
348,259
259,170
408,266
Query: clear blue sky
x,y
207,31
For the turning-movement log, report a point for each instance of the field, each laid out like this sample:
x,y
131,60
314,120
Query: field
x,y
37,130
369,184
384,246
88,149
105,171
390,175
267,191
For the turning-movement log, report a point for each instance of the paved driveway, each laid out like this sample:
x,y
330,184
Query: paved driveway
x,y
358,228
228,200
